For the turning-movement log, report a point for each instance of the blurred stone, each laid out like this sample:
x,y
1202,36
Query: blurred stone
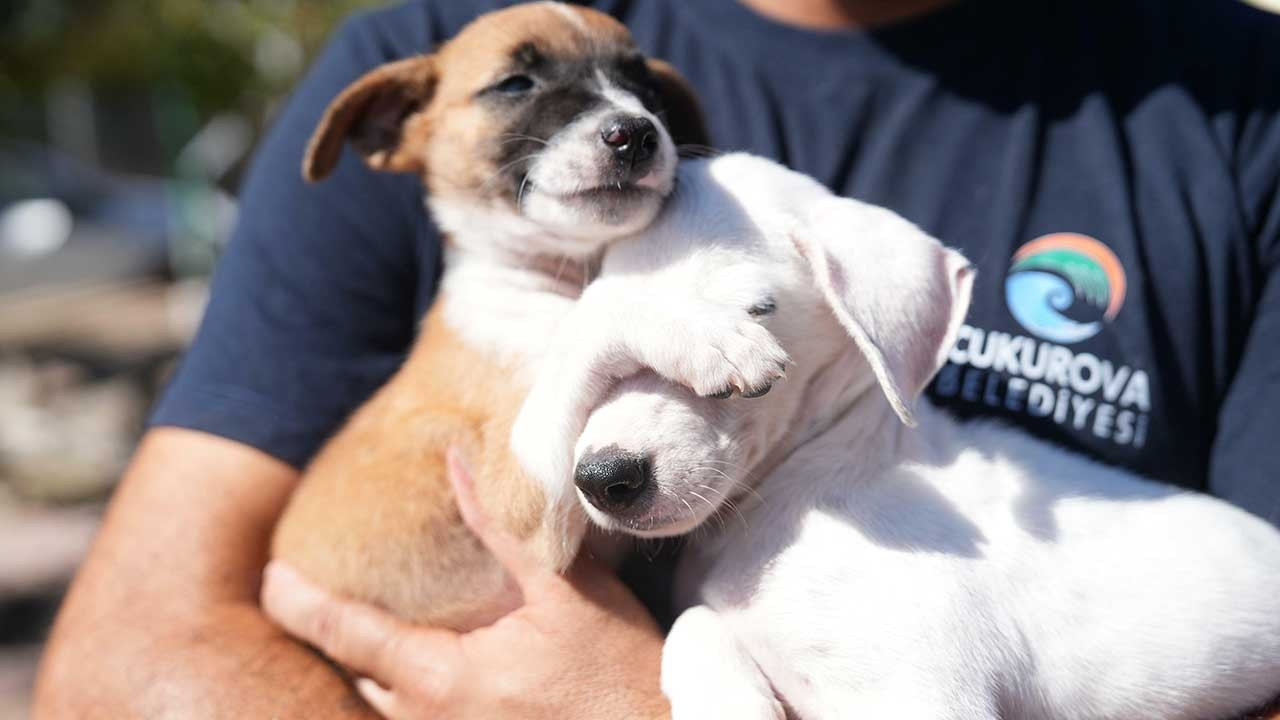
x,y
61,439
42,546
124,320
17,676
79,367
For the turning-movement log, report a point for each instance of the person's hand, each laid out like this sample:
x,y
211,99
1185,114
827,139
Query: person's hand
x,y
581,646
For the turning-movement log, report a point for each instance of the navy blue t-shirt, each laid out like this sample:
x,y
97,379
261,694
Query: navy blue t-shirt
x,y
1112,167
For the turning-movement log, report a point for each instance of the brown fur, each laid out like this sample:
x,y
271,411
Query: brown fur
x,y
374,517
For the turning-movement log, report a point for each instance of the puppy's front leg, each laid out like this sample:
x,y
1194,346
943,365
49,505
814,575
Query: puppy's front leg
x,y
618,327
706,673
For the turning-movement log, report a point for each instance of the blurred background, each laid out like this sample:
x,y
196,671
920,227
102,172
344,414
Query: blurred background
x,y
125,126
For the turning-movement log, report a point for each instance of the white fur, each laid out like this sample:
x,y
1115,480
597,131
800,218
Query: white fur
x,y
845,564
508,309
497,232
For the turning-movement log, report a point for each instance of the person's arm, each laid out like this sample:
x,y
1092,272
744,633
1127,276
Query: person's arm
x,y
312,307
163,619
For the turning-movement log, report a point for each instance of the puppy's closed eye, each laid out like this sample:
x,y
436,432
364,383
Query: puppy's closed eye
x,y
765,307
514,85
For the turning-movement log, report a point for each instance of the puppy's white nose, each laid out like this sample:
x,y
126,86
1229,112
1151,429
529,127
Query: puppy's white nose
x,y
613,480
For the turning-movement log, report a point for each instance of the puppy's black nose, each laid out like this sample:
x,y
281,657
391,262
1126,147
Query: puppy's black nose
x,y
613,480
633,141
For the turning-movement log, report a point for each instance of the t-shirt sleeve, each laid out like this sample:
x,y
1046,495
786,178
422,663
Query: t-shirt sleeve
x,y
312,304
1245,462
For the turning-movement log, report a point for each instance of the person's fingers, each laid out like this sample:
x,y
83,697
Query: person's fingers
x,y
354,636
510,552
596,583
363,638
379,698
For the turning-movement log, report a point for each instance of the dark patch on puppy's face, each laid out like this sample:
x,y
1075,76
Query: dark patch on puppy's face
x,y
542,115
543,94
554,122
557,92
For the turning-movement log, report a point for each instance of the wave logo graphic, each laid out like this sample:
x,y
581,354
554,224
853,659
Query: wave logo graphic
x,y
1063,287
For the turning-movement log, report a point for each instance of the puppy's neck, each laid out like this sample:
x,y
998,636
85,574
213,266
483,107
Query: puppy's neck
x,y
847,414
500,243
506,304
532,272
866,441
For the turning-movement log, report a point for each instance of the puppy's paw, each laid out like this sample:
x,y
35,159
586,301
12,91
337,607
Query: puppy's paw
x,y
542,443
707,673
742,358
717,351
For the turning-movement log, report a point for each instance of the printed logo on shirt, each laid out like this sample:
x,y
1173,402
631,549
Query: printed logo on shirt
x,y
1063,289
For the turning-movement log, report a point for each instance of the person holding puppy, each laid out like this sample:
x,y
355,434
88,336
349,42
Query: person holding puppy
x,y
1113,169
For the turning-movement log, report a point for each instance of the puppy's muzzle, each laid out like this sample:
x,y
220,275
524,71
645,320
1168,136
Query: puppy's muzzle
x,y
633,141
614,481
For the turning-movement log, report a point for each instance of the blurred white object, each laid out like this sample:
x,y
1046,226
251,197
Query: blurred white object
x,y
186,302
1272,5
30,228
219,145
64,436
278,55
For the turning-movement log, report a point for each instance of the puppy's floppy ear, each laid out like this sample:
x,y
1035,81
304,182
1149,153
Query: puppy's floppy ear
x,y
372,113
682,111
901,294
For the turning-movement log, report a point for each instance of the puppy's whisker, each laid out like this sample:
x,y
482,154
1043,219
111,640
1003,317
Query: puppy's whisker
x,y
725,497
687,506
651,549
727,463
691,150
710,505
719,472
564,261
497,174
746,484
692,513
517,137
725,501
520,192
513,163
698,529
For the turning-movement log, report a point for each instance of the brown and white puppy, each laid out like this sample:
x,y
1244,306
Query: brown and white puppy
x,y
541,134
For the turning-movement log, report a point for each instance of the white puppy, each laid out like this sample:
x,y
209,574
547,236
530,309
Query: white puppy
x,y
856,566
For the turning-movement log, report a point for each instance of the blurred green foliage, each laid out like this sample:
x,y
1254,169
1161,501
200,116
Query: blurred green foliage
x,y
204,56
